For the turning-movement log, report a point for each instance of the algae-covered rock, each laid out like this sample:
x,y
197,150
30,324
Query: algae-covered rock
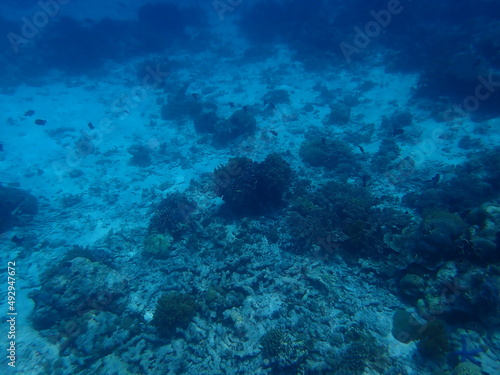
x,y
441,229
411,287
405,327
158,245
434,342
174,311
17,208
467,368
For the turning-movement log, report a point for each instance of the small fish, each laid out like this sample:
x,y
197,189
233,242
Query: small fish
x,y
245,108
273,133
231,104
29,113
397,132
323,141
361,149
90,125
40,122
194,95
477,62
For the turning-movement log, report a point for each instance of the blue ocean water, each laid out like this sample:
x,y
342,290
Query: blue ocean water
x,y
250,187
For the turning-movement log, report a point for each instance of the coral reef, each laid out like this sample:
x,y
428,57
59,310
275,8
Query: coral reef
x,y
411,287
441,232
281,353
341,216
180,106
172,215
173,311
466,368
206,122
141,155
340,114
252,187
405,327
385,158
158,245
224,130
17,207
473,184
239,123
396,121
277,97
362,350
332,154
434,342
74,288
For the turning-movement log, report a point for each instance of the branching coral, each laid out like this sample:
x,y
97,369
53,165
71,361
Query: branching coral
x,y
171,215
340,213
281,353
434,342
251,187
329,153
173,311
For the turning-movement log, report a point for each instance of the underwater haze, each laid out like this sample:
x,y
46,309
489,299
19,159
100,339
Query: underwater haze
x,y
261,187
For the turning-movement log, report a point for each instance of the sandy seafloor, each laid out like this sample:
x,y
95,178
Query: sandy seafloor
x,y
115,202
